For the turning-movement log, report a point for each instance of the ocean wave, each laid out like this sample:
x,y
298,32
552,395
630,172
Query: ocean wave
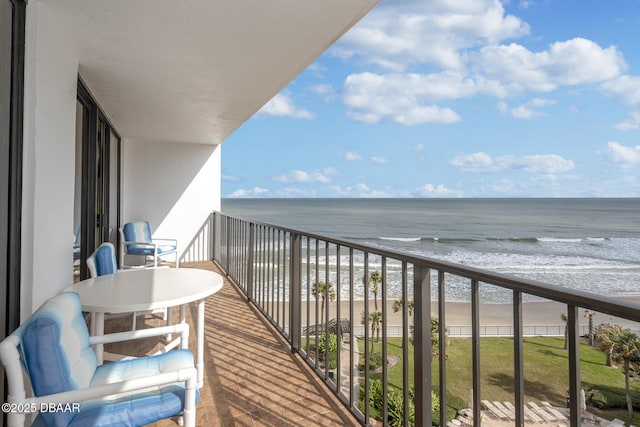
x,y
560,239
513,239
525,239
450,240
402,239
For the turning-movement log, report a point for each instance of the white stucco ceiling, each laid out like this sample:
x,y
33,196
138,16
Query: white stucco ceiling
x,y
195,70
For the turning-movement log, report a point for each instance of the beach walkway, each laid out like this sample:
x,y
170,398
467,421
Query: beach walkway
x,y
502,414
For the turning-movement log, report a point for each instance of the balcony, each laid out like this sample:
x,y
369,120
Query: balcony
x,y
264,364
251,377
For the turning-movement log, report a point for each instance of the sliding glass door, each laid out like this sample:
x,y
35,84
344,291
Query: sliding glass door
x,y
12,53
97,188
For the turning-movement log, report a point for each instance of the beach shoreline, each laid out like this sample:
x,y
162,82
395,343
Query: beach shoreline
x,y
534,313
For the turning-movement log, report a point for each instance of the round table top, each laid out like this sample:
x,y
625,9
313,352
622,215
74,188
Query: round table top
x,y
146,289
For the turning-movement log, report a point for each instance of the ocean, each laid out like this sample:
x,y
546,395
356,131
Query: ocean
x,y
585,244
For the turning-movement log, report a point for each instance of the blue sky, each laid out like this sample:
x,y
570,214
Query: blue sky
x,y
479,98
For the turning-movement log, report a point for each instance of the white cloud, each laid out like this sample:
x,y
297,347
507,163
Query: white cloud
x,y
430,190
540,163
254,192
325,90
625,88
476,162
352,157
495,70
299,176
623,156
379,159
398,34
514,68
528,110
633,122
406,99
281,105
359,190
483,162
418,148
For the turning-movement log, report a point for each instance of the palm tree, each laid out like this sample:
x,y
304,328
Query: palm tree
x,y
435,327
375,318
374,279
398,304
321,289
435,337
565,319
604,335
589,315
626,345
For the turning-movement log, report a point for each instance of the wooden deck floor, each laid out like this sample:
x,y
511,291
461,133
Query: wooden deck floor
x,y
251,377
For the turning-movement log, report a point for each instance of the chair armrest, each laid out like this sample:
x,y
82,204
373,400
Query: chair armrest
x,y
10,358
139,243
113,390
181,328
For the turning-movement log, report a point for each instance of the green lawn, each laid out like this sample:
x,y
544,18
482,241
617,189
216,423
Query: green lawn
x,y
546,371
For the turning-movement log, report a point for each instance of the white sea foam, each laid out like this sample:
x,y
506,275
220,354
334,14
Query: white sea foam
x,y
402,239
559,240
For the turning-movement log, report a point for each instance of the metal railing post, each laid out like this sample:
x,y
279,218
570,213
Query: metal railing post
x,y
228,242
574,367
295,292
422,345
214,235
250,262
518,358
442,349
475,351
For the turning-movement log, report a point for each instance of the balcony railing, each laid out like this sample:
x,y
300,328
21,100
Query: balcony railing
x,y
284,272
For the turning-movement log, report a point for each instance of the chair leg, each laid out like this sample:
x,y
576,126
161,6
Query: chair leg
x,y
93,324
168,317
189,413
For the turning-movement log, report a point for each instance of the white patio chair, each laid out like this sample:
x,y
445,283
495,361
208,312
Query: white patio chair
x,y
136,240
102,262
52,350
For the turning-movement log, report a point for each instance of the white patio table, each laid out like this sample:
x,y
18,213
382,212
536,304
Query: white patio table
x,y
148,289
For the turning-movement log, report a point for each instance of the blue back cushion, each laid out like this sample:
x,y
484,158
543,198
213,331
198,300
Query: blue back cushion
x,y
105,259
137,232
56,352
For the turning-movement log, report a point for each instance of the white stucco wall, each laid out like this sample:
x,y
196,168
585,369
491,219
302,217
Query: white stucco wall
x,y
174,186
49,158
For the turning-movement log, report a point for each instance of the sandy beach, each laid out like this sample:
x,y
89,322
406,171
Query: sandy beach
x,y
538,313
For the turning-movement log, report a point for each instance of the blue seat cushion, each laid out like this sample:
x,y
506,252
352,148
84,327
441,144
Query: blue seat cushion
x,y
148,250
139,408
136,410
